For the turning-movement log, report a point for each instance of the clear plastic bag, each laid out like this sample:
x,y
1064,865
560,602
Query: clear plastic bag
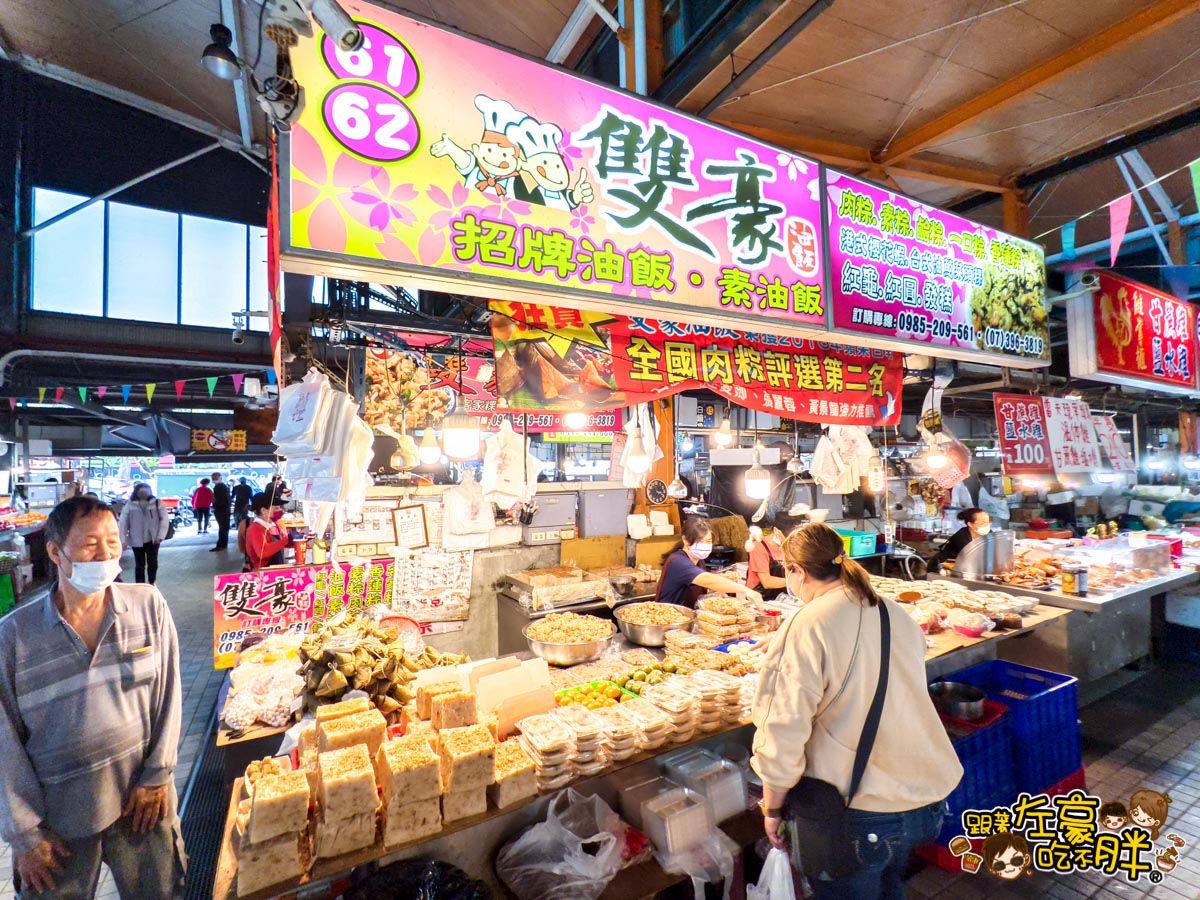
x,y
775,882
574,853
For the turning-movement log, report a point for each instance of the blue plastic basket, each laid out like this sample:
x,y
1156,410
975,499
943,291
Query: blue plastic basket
x,y
987,782
858,543
1044,709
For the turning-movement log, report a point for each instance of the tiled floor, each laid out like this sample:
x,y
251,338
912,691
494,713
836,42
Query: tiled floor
x,y
185,574
1149,738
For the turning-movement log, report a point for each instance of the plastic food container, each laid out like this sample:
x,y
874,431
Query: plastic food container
x,y
717,780
676,820
545,734
634,795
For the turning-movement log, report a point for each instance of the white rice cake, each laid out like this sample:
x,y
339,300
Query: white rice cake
x,y
368,728
412,821
461,804
347,783
408,770
268,863
279,805
336,837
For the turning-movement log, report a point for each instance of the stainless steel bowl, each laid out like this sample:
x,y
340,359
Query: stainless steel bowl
x,y
651,635
962,701
566,654
623,584
771,621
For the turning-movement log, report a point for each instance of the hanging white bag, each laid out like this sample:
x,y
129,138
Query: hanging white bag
x,y
775,881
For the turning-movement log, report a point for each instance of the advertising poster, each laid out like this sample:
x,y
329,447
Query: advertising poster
x,y
1144,334
434,154
566,359
210,440
901,269
269,601
1024,441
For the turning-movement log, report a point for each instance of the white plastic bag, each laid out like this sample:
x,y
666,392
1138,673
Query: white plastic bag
x,y
574,853
466,511
775,882
303,411
707,862
504,467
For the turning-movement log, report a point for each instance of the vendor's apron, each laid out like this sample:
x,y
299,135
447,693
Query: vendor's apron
x,y
691,594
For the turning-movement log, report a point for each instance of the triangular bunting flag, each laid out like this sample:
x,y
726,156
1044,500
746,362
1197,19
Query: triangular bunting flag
x,y
126,390
1118,223
150,392
12,402
101,391
41,395
83,395
1194,168
1068,241
237,382
270,376
58,392
179,386
211,381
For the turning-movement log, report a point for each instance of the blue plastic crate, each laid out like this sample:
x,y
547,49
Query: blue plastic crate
x,y
987,782
858,543
1044,708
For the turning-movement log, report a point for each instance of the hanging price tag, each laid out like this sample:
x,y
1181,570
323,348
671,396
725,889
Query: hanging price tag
x,y
1024,439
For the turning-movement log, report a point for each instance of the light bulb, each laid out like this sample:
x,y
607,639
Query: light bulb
x,y
876,475
575,421
687,444
428,452
758,480
460,436
1155,463
677,490
638,460
1106,477
724,435
936,459
794,466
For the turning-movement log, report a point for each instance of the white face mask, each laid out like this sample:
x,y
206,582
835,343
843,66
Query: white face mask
x,y
701,551
93,577
983,530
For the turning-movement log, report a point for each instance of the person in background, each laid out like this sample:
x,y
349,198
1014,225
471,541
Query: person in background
x,y
241,494
818,681
221,510
976,524
765,571
265,540
202,501
90,709
278,492
683,581
143,527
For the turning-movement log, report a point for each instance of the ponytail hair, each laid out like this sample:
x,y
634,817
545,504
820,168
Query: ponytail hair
x,y
820,552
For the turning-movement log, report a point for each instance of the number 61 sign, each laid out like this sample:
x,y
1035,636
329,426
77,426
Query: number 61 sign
x,y
1024,440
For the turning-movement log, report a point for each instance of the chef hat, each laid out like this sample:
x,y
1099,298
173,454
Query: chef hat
x,y
531,136
498,115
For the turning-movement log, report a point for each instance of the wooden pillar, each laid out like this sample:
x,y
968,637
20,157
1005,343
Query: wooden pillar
x,y
1176,243
625,36
1016,213
655,62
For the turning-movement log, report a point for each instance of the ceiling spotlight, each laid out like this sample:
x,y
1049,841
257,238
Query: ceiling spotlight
x,y
688,444
218,57
758,479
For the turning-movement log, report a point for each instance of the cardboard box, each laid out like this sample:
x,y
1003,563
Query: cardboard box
x,y
1027,513
1087,506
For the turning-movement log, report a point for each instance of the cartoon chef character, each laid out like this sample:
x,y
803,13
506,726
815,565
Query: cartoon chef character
x,y
545,178
493,160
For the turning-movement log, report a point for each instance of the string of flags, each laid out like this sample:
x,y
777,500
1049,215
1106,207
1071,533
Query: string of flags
x,y
1118,225
180,385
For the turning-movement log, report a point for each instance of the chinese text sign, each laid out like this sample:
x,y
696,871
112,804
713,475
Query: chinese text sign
x,y
1143,333
1114,445
1024,442
1073,443
901,269
428,150
268,601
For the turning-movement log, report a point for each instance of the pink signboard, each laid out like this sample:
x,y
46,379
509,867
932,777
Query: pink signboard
x,y
268,601
441,156
900,269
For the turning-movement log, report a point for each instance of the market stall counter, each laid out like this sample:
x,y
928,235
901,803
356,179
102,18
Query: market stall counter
x,y
666,723
1106,632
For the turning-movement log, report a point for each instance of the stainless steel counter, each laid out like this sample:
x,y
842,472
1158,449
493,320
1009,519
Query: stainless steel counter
x,y
1092,602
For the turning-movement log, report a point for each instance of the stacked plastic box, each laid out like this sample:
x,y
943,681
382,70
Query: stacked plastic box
x,y
654,725
726,692
679,703
620,732
588,756
676,820
716,779
548,742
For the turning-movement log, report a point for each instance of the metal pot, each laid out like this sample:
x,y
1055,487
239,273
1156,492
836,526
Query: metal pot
x,y
960,701
567,654
651,635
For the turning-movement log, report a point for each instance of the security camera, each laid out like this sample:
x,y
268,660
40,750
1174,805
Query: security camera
x,y
238,337
334,21
1089,281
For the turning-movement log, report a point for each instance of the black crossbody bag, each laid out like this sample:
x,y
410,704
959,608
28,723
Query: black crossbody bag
x,y
816,810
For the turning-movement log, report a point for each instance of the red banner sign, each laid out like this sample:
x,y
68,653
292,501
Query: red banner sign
x,y
1024,443
559,359
1143,333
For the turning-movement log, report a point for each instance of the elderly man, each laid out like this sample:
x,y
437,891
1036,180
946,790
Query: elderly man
x,y
89,723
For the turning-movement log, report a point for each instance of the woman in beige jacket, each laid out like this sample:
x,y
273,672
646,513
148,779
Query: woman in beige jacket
x,y
818,679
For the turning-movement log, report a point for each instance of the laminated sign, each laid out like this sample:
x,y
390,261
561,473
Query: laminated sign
x,y
1046,435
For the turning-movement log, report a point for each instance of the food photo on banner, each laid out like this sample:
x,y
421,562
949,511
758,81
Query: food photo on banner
x,y
549,358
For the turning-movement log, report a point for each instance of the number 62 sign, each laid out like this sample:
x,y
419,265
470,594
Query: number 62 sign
x,y
1024,441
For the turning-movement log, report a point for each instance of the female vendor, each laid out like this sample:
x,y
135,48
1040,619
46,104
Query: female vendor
x,y
976,524
683,581
765,572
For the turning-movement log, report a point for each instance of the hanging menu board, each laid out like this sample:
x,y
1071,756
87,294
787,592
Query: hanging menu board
x,y
1024,444
899,268
1073,444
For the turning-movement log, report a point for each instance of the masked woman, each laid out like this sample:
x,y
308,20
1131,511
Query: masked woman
x,y
976,524
683,579
143,526
823,693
